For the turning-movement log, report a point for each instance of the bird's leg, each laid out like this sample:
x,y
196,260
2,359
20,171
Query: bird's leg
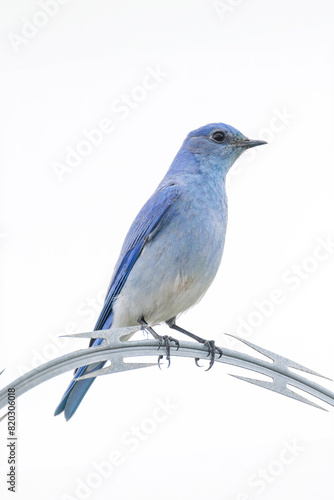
x,y
163,340
209,343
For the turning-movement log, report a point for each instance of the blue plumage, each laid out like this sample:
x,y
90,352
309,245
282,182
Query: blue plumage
x,y
173,249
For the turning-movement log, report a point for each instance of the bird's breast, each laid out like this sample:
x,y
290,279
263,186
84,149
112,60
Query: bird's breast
x,y
177,266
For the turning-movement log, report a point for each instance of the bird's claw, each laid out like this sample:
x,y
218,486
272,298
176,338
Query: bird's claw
x,y
212,351
159,359
165,340
197,363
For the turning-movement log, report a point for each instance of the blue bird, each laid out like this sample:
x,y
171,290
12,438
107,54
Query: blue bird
x,y
174,247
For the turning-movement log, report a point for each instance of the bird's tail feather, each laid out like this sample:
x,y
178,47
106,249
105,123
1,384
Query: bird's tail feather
x,y
77,389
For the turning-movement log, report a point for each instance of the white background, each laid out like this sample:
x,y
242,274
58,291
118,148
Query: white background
x,y
246,63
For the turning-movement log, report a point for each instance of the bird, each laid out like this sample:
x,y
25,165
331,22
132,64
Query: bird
x,y
173,249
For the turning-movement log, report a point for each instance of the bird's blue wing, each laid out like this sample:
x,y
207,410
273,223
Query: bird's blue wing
x,y
144,227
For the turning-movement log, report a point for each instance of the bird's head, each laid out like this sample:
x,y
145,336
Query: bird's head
x,y
218,144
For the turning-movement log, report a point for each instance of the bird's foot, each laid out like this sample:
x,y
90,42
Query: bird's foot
x,y
165,340
212,353
209,343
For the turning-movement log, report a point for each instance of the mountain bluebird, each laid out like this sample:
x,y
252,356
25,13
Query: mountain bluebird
x,y
174,247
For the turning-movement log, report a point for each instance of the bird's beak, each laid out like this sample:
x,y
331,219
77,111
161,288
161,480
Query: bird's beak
x,y
248,143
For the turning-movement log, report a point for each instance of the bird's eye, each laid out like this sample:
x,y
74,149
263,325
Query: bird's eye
x,y
218,136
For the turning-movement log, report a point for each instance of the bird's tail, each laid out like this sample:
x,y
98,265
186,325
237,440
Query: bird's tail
x,y
77,389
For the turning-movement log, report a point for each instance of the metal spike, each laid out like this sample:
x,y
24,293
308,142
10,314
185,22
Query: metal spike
x,y
112,335
115,367
5,415
112,348
275,386
280,361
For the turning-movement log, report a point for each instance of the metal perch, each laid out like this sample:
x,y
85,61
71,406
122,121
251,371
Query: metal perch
x,y
277,368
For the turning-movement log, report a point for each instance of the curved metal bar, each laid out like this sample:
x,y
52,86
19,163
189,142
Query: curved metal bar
x,y
277,368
